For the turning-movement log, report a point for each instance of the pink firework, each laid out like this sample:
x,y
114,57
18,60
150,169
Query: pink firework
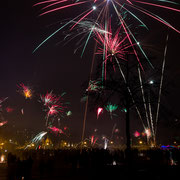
x,y
99,111
49,98
136,134
102,10
53,110
54,106
93,140
56,130
116,130
9,109
25,91
3,123
113,46
107,6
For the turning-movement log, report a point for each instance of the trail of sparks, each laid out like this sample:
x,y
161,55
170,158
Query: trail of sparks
x,y
161,82
63,4
60,8
113,130
156,17
127,5
144,101
36,140
2,100
151,119
129,90
165,7
104,6
93,140
126,29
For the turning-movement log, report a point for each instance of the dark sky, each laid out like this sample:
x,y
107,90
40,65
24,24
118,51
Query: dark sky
x,y
56,67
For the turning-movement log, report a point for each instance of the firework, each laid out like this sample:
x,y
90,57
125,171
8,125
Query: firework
x,y
113,131
3,123
105,10
111,108
99,111
25,91
94,86
143,98
2,100
119,7
37,139
1,116
105,142
161,83
9,109
65,128
93,140
136,134
56,130
54,106
53,110
147,132
69,113
112,43
143,134
113,47
124,110
116,130
49,98
84,31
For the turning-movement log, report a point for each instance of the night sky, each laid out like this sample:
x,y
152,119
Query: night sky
x,y
56,67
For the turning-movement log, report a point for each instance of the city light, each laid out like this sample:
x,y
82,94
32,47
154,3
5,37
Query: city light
x,y
2,159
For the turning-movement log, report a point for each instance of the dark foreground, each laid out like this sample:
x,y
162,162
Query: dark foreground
x,y
91,164
115,172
